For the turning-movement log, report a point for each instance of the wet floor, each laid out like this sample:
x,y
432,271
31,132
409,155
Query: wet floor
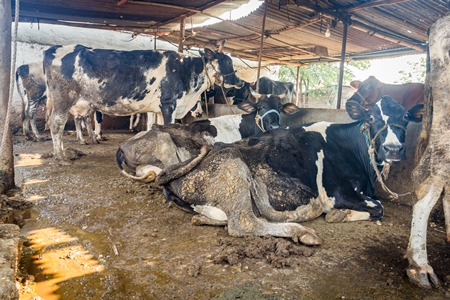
x,y
94,234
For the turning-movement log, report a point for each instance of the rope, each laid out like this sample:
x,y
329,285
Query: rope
x,y
259,119
386,166
13,69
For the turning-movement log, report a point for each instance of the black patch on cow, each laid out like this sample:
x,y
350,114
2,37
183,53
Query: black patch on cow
x,y
23,71
49,55
120,73
152,80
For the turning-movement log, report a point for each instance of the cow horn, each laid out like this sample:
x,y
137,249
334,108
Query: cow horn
x,y
220,50
149,175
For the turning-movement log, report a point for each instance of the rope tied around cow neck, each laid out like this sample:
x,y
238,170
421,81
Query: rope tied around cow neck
x,y
384,173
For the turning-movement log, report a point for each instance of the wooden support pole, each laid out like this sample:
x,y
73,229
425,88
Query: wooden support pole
x,y
261,45
296,87
6,147
341,68
181,36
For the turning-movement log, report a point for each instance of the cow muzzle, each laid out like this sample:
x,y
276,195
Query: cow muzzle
x,y
392,153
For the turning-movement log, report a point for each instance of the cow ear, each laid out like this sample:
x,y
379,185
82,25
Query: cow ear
x,y
282,96
355,111
256,95
247,106
416,113
209,54
355,84
290,109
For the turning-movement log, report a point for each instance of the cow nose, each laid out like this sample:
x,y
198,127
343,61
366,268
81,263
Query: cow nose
x,y
393,148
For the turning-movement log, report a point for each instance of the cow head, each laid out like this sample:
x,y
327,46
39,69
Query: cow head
x,y
268,109
368,92
222,65
385,126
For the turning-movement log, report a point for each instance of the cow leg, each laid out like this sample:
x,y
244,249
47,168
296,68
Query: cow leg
x,y
303,213
98,118
78,130
359,208
446,204
204,220
31,114
419,271
237,204
91,133
57,123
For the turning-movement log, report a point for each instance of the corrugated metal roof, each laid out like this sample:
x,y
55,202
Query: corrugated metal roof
x,y
294,30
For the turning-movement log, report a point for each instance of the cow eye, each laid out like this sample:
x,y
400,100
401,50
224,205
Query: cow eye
x,y
406,117
371,119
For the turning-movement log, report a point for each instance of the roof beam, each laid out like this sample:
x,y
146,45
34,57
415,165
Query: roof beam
x,y
360,26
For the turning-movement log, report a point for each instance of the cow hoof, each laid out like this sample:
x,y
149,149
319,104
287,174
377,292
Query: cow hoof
x,y
310,238
73,154
64,162
421,276
336,216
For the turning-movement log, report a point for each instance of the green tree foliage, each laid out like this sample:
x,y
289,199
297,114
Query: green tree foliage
x,y
416,73
320,80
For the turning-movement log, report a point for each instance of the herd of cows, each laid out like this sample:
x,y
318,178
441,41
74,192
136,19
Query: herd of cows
x,y
243,171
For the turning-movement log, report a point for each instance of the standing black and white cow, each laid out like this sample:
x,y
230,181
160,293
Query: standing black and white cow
x,y
123,83
293,175
147,153
266,86
33,84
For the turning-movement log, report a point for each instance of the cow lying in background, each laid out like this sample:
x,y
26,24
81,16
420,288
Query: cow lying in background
x,y
293,175
122,83
33,84
371,90
147,153
266,86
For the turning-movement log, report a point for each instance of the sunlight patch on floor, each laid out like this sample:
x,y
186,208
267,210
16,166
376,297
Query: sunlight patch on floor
x,y
58,257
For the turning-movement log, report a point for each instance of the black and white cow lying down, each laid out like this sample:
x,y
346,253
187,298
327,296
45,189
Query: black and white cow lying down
x,y
292,175
122,83
164,145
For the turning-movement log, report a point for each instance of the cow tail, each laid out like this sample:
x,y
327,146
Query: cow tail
x,y
177,170
23,105
49,109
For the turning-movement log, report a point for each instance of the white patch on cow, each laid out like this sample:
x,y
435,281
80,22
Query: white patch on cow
x,y
328,202
371,203
210,212
391,137
60,53
227,128
320,127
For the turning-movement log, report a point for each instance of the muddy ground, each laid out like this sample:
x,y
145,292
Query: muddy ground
x,y
94,234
